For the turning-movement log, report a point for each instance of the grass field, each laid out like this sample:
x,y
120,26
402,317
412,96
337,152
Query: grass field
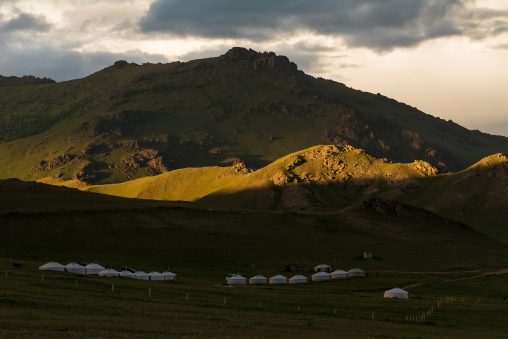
x,y
195,308
202,246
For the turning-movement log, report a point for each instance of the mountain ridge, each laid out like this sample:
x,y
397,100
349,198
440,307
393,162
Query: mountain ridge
x,y
129,121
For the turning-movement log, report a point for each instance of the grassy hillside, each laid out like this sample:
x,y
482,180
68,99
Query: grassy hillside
x,y
321,176
477,195
129,121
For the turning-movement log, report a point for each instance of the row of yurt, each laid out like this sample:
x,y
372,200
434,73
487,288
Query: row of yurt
x,y
340,274
279,279
96,269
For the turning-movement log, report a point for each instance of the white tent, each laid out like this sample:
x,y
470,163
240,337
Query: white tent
x,y
322,268
75,268
109,273
236,279
155,276
321,276
141,275
127,274
396,293
299,279
356,272
169,276
258,280
52,266
339,274
278,280
94,268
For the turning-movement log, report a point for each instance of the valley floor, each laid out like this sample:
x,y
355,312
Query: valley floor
x,y
63,305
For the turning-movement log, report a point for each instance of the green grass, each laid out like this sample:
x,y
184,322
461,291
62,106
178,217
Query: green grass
x,y
57,307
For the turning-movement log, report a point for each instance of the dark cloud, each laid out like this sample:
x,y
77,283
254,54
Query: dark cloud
x,y
374,24
25,22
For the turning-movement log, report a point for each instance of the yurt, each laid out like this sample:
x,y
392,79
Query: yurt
x,y
299,279
94,268
339,274
236,279
323,268
169,276
396,293
75,268
278,279
321,276
356,272
258,280
52,266
155,276
141,275
109,273
127,274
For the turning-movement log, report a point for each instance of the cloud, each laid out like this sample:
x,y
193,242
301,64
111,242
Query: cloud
x,y
25,22
64,64
379,25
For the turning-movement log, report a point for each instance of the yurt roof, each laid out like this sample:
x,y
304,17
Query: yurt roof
x,y
141,273
155,274
125,272
235,276
298,276
259,276
397,290
278,276
322,266
168,273
94,265
320,273
339,272
356,270
52,264
74,264
110,270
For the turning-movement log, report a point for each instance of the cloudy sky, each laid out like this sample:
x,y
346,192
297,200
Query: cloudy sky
x,y
447,57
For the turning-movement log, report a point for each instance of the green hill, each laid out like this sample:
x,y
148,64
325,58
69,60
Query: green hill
x,y
129,121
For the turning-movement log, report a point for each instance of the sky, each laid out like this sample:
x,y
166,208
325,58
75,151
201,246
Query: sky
x,y
449,58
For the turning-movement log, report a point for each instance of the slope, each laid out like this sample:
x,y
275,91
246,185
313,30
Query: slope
x,y
478,195
129,121
304,179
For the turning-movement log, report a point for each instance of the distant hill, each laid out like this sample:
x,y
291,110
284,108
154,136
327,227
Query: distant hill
x,y
25,80
128,121
330,177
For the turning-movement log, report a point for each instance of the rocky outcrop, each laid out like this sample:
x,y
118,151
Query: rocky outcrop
x,y
48,165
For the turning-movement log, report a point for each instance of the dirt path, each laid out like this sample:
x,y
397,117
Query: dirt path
x,y
476,274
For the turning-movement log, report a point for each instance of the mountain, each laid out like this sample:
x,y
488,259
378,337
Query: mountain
x,y
128,121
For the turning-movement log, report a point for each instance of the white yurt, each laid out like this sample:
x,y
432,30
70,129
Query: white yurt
x,y
299,279
356,272
75,268
109,273
396,293
236,279
169,276
278,279
141,275
339,274
94,268
127,274
52,266
155,276
258,280
321,276
323,268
